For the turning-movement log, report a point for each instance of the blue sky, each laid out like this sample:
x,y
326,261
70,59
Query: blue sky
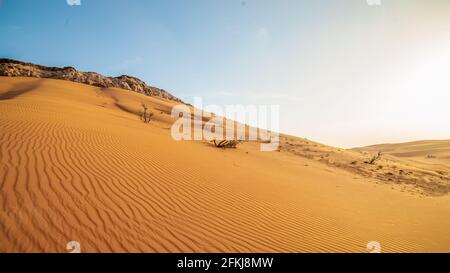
x,y
343,72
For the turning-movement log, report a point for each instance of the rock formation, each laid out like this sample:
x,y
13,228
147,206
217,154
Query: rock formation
x,y
13,68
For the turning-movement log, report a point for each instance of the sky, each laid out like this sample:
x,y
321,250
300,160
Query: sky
x,y
344,73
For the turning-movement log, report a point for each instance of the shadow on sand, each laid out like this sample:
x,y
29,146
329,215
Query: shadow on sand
x,y
20,89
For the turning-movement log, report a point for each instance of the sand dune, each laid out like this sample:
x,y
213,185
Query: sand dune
x,y
409,168
418,149
78,164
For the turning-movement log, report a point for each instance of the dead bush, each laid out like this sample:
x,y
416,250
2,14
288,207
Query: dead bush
x,y
146,116
226,143
373,159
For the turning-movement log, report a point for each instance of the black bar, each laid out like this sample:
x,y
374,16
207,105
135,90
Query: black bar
x,y
234,262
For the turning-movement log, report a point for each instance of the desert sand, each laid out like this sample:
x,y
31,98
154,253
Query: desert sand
x,y
77,164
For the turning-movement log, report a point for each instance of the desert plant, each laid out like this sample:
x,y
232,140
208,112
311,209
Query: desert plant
x,y
226,143
146,116
374,159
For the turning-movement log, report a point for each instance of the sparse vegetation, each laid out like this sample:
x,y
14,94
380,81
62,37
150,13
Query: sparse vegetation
x,y
226,143
146,116
373,159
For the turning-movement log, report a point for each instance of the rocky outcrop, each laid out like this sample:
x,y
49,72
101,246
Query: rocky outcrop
x,y
13,68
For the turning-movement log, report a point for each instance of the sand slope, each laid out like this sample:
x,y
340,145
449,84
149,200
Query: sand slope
x,y
77,164
417,169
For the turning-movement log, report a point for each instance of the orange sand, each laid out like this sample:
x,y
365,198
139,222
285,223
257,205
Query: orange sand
x,y
77,164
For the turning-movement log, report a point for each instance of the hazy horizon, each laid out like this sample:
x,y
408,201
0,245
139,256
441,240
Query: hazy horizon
x,y
344,74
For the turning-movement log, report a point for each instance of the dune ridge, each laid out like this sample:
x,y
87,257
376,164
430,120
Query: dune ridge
x,y
76,166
